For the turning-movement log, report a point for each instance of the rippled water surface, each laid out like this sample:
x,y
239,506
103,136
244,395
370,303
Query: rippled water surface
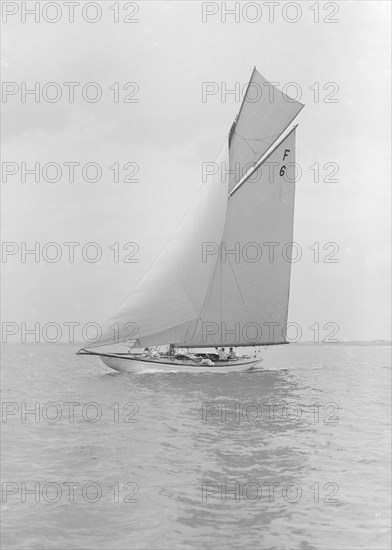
x,y
291,455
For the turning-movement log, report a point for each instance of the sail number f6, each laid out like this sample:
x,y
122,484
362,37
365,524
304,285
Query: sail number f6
x,y
282,171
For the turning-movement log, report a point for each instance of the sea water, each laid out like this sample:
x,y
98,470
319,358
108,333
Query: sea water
x,y
292,455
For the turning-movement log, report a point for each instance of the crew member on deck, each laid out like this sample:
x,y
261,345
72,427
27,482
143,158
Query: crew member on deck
x,y
233,354
223,355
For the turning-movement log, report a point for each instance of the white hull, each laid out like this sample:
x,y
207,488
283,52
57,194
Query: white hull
x,y
129,364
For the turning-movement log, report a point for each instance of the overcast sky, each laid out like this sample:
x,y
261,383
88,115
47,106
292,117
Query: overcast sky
x,y
170,131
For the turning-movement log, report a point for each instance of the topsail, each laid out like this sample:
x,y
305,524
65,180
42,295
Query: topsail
x,y
224,275
265,113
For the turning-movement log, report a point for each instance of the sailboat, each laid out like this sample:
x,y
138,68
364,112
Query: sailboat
x,y
221,283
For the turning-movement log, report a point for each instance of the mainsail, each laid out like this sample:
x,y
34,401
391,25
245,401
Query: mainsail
x,y
248,301
224,276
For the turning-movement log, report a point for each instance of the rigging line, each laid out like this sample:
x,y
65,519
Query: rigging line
x,y
221,289
192,325
239,289
266,139
208,295
261,140
244,139
204,306
186,294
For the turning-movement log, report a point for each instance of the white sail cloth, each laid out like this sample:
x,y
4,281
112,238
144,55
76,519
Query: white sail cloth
x,y
265,113
224,276
174,288
248,302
